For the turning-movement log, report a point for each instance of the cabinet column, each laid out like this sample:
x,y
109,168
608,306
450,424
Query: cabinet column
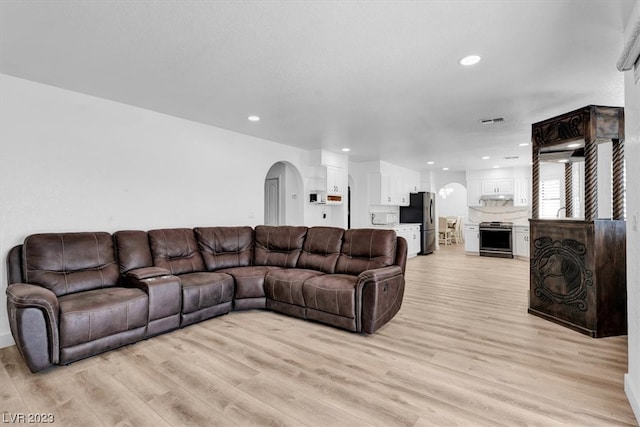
x,y
568,189
590,180
535,181
618,178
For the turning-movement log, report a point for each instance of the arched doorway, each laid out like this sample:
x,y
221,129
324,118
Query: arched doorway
x,y
283,201
452,203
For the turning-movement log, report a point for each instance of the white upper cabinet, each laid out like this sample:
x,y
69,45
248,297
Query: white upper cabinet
x,y
474,192
497,186
380,191
503,183
521,192
331,171
336,179
392,184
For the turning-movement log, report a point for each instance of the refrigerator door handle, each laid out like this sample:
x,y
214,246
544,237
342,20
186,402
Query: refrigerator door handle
x,y
430,210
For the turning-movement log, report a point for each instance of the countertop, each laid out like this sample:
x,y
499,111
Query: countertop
x,y
391,226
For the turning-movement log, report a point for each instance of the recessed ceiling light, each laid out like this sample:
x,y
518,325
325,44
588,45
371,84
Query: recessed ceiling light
x,y
574,145
470,60
485,157
429,163
346,150
523,144
445,169
496,167
253,118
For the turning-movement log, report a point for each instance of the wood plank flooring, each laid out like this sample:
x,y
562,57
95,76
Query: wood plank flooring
x,y
461,351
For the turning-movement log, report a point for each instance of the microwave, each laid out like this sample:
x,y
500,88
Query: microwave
x,y
383,218
317,197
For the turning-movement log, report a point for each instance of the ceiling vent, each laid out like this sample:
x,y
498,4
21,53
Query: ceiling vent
x,y
511,157
492,121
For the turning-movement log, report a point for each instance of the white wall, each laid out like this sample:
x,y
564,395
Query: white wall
x,y
71,162
454,200
632,156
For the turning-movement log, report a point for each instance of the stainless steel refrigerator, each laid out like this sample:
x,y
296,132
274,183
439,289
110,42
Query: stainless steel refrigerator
x,y
422,210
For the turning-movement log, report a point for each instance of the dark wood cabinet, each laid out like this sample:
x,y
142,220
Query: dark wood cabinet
x,y
578,275
578,267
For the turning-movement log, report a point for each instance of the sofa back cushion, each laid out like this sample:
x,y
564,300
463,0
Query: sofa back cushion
x,y
321,249
132,247
278,245
365,249
66,263
175,249
225,247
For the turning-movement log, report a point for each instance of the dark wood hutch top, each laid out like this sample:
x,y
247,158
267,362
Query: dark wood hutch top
x,y
592,124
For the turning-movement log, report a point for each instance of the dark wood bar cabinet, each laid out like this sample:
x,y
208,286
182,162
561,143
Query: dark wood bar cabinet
x,y
578,266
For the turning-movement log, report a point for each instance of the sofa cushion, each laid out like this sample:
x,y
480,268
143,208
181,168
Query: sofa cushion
x,y
331,293
286,285
66,263
133,250
365,249
202,290
225,247
321,249
175,249
87,316
278,245
249,281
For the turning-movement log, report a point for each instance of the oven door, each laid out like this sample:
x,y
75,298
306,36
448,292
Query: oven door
x,y
496,242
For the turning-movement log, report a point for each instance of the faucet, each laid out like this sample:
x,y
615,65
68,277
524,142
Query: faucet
x,y
558,213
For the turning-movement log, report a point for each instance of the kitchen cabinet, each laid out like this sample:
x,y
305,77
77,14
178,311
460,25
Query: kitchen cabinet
x,y
407,184
472,239
380,190
497,186
392,185
411,233
474,193
521,192
335,180
521,241
402,192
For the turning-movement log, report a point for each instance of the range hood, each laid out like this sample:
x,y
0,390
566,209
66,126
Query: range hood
x,y
497,197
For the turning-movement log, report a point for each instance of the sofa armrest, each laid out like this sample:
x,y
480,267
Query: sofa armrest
x,y
147,272
163,288
33,317
380,291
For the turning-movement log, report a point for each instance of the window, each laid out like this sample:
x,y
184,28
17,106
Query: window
x,y
549,198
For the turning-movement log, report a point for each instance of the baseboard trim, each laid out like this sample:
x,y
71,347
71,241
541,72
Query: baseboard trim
x,y
632,391
6,340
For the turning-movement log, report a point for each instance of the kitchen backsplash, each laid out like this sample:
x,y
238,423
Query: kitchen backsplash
x,y
498,210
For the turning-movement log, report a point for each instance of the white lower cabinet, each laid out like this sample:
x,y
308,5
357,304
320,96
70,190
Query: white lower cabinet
x,y
472,239
411,234
521,247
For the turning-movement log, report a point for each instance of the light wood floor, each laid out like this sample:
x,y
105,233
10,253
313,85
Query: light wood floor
x,y
462,351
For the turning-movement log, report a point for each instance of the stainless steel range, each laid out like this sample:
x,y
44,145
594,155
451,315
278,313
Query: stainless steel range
x,y
496,239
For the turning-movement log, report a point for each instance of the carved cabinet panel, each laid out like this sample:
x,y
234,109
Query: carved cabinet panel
x,y
578,275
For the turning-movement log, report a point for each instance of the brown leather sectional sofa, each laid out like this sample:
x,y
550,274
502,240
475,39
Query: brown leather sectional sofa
x,y
74,295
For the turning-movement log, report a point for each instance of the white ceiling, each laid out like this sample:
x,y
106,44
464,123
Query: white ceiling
x,y
380,77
